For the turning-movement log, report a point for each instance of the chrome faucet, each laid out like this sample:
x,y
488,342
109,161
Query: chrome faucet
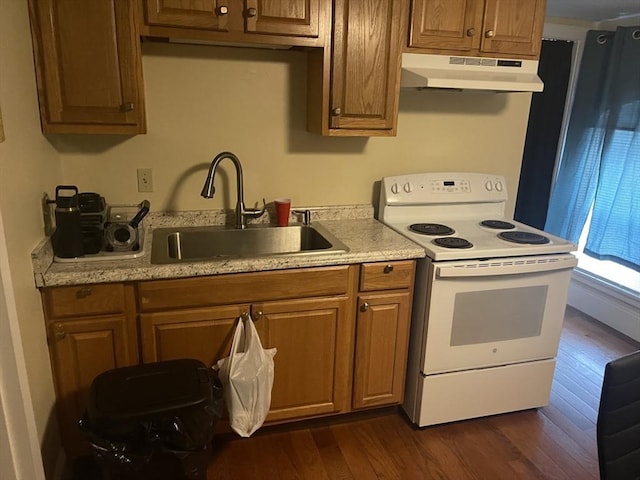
x,y
209,190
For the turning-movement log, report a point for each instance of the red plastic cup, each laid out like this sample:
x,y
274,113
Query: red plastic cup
x,y
283,206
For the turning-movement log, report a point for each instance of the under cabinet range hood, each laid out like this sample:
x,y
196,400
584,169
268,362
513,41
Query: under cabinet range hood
x,y
469,73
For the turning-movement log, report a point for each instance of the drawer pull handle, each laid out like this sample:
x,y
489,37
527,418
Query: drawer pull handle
x,y
258,315
126,107
388,268
364,307
222,10
471,32
490,34
252,12
84,292
337,111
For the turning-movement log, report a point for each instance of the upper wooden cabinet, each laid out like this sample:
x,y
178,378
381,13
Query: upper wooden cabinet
x,y
88,66
478,27
353,85
284,22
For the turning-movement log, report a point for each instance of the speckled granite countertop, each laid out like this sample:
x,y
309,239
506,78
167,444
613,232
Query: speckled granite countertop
x,y
367,239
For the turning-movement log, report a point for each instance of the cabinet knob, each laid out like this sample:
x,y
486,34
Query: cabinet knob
x,y
83,292
126,107
251,12
471,32
337,111
60,333
222,10
388,268
364,307
489,34
258,315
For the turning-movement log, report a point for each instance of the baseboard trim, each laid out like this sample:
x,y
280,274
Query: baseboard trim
x,y
614,307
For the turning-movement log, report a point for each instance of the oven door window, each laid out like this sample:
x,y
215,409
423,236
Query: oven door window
x,y
498,315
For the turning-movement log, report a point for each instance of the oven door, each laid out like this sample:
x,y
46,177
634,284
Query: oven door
x,y
497,312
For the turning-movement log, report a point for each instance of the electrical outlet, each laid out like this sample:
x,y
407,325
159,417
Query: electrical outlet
x,y
145,180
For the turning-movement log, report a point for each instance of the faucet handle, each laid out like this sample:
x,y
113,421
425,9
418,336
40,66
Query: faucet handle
x,y
256,212
306,216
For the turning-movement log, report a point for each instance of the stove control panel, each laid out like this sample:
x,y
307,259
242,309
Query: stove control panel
x,y
438,188
450,186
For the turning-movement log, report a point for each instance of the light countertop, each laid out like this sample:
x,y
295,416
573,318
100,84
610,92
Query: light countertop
x,y
367,239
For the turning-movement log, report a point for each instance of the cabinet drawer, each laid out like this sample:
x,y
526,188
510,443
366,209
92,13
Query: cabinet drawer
x,y
386,275
84,300
243,288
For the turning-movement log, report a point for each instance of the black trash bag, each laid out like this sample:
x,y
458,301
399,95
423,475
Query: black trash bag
x,y
190,432
137,415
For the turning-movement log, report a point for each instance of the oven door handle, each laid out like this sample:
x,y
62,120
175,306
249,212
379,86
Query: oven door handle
x,y
507,267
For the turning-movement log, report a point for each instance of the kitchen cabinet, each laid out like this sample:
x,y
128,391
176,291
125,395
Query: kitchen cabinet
x,y
353,84
510,28
325,364
90,329
88,66
282,22
303,313
382,333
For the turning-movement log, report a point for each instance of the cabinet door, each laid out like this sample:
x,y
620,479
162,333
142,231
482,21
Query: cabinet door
x,y
382,332
204,14
283,17
446,24
80,350
312,363
513,27
365,80
88,66
204,334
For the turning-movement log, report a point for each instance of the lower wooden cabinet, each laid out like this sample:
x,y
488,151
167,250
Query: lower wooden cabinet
x,y
81,347
381,348
203,333
382,333
313,338
331,358
308,321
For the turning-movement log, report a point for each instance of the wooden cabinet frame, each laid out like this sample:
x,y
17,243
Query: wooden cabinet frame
x,y
489,28
277,22
88,66
327,364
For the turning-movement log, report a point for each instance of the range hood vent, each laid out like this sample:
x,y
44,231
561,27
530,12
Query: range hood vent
x,y
469,73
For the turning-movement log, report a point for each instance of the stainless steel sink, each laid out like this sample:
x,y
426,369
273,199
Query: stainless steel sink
x,y
192,244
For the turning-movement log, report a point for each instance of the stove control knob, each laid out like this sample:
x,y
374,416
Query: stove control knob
x,y
408,187
488,185
395,188
499,186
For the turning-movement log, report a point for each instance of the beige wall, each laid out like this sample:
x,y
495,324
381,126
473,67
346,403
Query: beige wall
x,y
28,166
202,100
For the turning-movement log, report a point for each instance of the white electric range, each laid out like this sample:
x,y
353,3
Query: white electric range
x,y
489,298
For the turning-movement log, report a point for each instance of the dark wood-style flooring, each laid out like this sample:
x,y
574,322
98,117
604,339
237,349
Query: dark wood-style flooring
x,y
554,442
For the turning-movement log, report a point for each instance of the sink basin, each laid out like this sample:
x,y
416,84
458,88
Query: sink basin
x,y
191,244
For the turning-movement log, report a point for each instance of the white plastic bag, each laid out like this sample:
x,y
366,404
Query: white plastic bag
x,y
247,377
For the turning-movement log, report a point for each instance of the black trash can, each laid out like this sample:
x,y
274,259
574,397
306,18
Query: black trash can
x,y
154,420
